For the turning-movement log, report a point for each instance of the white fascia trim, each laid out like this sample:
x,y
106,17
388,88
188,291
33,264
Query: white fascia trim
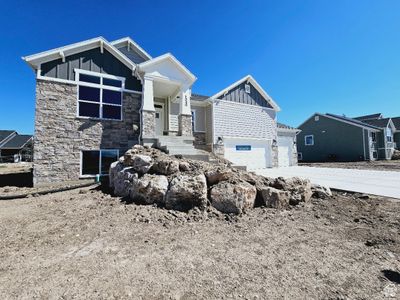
x,y
168,56
97,74
340,120
199,103
13,148
245,138
128,41
250,79
288,130
35,60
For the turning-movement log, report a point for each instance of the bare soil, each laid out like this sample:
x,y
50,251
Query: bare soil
x,y
85,244
383,165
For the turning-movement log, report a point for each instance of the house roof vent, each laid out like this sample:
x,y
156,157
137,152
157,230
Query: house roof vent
x,y
247,88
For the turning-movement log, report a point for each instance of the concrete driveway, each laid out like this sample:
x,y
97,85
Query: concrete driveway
x,y
382,183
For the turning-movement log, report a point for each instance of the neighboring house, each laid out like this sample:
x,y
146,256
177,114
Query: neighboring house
x,y
15,147
95,99
396,136
329,137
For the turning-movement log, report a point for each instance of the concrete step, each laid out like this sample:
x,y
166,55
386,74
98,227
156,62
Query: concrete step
x,y
201,157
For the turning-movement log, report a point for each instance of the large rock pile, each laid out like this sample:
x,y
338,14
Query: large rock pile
x,y
396,155
149,176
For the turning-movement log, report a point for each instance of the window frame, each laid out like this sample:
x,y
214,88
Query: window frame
x,y
100,165
305,140
101,87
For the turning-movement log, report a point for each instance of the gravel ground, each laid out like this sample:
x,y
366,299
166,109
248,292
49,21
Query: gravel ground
x,y
385,165
86,244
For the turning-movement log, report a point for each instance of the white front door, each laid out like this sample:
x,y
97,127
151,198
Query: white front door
x,y
159,118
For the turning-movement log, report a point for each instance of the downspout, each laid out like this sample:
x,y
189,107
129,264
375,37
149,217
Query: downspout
x,y
363,133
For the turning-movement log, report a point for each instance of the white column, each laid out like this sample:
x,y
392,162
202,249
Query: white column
x,y
148,94
185,108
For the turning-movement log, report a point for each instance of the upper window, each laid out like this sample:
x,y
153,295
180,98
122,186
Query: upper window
x,y
99,95
373,136
247,88
309,140
389,135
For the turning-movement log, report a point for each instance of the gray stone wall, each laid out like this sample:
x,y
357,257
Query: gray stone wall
x,y
149,124
60,135
200,141
185,125
274,154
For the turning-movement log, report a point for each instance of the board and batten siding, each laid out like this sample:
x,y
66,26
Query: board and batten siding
x,y
132,55
234,119
91,60
238,94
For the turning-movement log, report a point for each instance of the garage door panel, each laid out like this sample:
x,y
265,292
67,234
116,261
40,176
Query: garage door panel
x,y
259,156
285,145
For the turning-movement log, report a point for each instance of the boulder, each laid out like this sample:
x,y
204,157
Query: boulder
x,y
166,167
139,162
275,198
396,155
300,189
187,191
319,191
184,166
121,178
217,175
234,198
149,189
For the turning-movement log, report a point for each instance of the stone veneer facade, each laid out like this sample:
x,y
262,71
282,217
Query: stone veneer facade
x,y
60,135
185,125
149,123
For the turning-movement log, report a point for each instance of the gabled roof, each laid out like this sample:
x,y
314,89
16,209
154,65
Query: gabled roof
x,y
250,79
396,123
344,120
369,117
4,134
168,57
198,97
17,142
382,123
35,60
127,41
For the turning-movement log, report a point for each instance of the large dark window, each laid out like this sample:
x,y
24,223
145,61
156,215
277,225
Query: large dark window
x,y
99,97
98,161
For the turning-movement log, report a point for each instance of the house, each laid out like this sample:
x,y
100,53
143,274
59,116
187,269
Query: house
x,y
330,137
396,135
15,147
95,99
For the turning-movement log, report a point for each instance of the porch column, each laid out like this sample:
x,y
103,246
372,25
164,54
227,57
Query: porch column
x,y
185,113
148,111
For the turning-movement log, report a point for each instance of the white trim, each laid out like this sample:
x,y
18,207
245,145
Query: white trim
x,y
305,140
244,104
129,42
73,82
244,138
363,133
193,115
340,120
81,161
168,56
250,79
101,87
35,60
97,74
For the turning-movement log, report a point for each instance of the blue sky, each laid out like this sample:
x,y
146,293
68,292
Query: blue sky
x,y
311,56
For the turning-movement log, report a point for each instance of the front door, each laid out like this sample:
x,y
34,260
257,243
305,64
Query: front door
x,y
159,118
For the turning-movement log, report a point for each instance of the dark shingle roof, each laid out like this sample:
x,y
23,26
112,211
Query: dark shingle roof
x,y
198,97
396,122
378,122
17,142
284,126
369,117
355,122
5,133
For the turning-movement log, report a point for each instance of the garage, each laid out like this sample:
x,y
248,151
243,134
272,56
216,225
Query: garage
x,y
285,148
252,153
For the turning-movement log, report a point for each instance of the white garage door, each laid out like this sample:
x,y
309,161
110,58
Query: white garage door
x,y
285,144
252,153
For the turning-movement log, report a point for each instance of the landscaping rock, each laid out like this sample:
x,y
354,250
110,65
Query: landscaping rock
x,y
396,155
149,189
139,162
234,198
186,192
166,167
275,198
184,166
121,179
321,192
217,175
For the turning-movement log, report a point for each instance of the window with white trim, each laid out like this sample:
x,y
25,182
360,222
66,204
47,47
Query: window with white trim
x,y
309,140
94,162
389,135
99,95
